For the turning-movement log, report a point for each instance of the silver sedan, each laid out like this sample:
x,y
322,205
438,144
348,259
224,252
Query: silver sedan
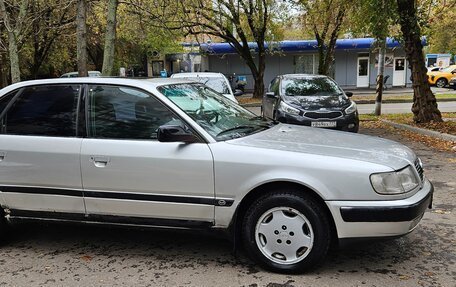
x,y
172,153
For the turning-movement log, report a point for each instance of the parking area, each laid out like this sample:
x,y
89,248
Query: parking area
x,y
62,255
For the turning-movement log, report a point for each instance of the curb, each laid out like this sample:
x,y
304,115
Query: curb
x,y
364,102
422,131
368,102
250,105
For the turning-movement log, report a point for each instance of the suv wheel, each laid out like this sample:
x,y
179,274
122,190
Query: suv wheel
x,y
285,231
441,83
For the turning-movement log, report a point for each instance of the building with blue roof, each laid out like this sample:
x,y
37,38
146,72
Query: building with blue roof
x,y
355,64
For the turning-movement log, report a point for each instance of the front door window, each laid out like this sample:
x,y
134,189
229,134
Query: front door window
x,y
126,113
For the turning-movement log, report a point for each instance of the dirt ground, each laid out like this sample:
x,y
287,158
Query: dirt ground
x,y
62,255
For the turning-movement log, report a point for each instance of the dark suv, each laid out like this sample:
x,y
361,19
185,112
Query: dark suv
x,y
310,100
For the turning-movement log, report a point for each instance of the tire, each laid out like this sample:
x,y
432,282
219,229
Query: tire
x,y
295,226
441,83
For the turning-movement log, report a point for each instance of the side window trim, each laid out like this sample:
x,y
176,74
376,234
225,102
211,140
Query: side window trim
x,y
7,107
81,127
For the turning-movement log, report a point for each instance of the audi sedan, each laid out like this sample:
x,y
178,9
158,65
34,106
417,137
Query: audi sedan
x,y
172,153
310,100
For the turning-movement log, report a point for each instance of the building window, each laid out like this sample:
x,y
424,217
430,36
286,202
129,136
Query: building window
x,y
306,64
157,67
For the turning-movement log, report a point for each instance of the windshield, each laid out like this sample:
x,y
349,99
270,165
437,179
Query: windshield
x,y
217,84
302,87
449,69
219,116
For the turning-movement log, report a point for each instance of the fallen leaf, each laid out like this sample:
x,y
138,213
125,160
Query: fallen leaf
x,y
404,277
86,258
441,211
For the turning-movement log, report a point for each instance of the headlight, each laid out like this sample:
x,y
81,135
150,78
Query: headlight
x,y
395,182
351,109
288,109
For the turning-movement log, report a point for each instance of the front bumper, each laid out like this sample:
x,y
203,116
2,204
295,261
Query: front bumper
x,y
366,219
348,122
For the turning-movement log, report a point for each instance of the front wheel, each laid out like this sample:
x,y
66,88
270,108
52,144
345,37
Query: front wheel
x,y
441,83
286,231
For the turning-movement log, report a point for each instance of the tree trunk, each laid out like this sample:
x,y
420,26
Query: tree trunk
x,y
81,35
3,71
424,106
110,38
381,69
13,50
322,68
258,89
14,58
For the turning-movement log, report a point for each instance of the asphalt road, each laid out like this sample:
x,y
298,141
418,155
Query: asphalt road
x,y
398,108
61,255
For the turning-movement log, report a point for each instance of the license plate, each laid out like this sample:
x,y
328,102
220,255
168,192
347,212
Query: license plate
x,y
331,124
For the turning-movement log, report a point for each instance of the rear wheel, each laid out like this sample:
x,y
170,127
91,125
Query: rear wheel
x,y
441,83
285,231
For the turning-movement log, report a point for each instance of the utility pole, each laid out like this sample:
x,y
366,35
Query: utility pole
x,y
381,69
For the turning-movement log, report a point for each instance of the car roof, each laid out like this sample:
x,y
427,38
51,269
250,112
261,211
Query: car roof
x,y
140,83
299,76
198,74
72,73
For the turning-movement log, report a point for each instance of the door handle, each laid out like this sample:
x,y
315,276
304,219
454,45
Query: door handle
x,y
2,155
100,161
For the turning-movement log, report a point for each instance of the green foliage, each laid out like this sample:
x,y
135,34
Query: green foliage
x,y
375,18
441,27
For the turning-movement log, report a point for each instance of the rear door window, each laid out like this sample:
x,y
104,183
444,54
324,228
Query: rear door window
x,y
43,111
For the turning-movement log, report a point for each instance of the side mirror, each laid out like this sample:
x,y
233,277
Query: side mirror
x,y
349,94
173,133
271,95
238,93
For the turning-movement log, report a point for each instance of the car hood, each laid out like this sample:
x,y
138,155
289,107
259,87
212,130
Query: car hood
x,y
318,141
318,102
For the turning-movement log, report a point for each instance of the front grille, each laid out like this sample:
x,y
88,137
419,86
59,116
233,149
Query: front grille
x,y
419,168
323,115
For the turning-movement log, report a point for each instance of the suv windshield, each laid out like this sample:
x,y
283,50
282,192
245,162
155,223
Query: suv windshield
x,y
318,86
220,117
217,84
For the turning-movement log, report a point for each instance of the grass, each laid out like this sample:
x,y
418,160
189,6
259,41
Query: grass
x,y
399,97
448,127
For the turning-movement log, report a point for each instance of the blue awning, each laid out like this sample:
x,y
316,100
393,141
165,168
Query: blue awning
x,y
300,45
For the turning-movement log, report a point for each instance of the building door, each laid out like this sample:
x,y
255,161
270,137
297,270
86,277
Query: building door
x,y
399,72
363,72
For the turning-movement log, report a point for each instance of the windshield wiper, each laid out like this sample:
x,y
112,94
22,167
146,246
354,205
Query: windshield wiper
x,y
242,127
256,118
268,122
